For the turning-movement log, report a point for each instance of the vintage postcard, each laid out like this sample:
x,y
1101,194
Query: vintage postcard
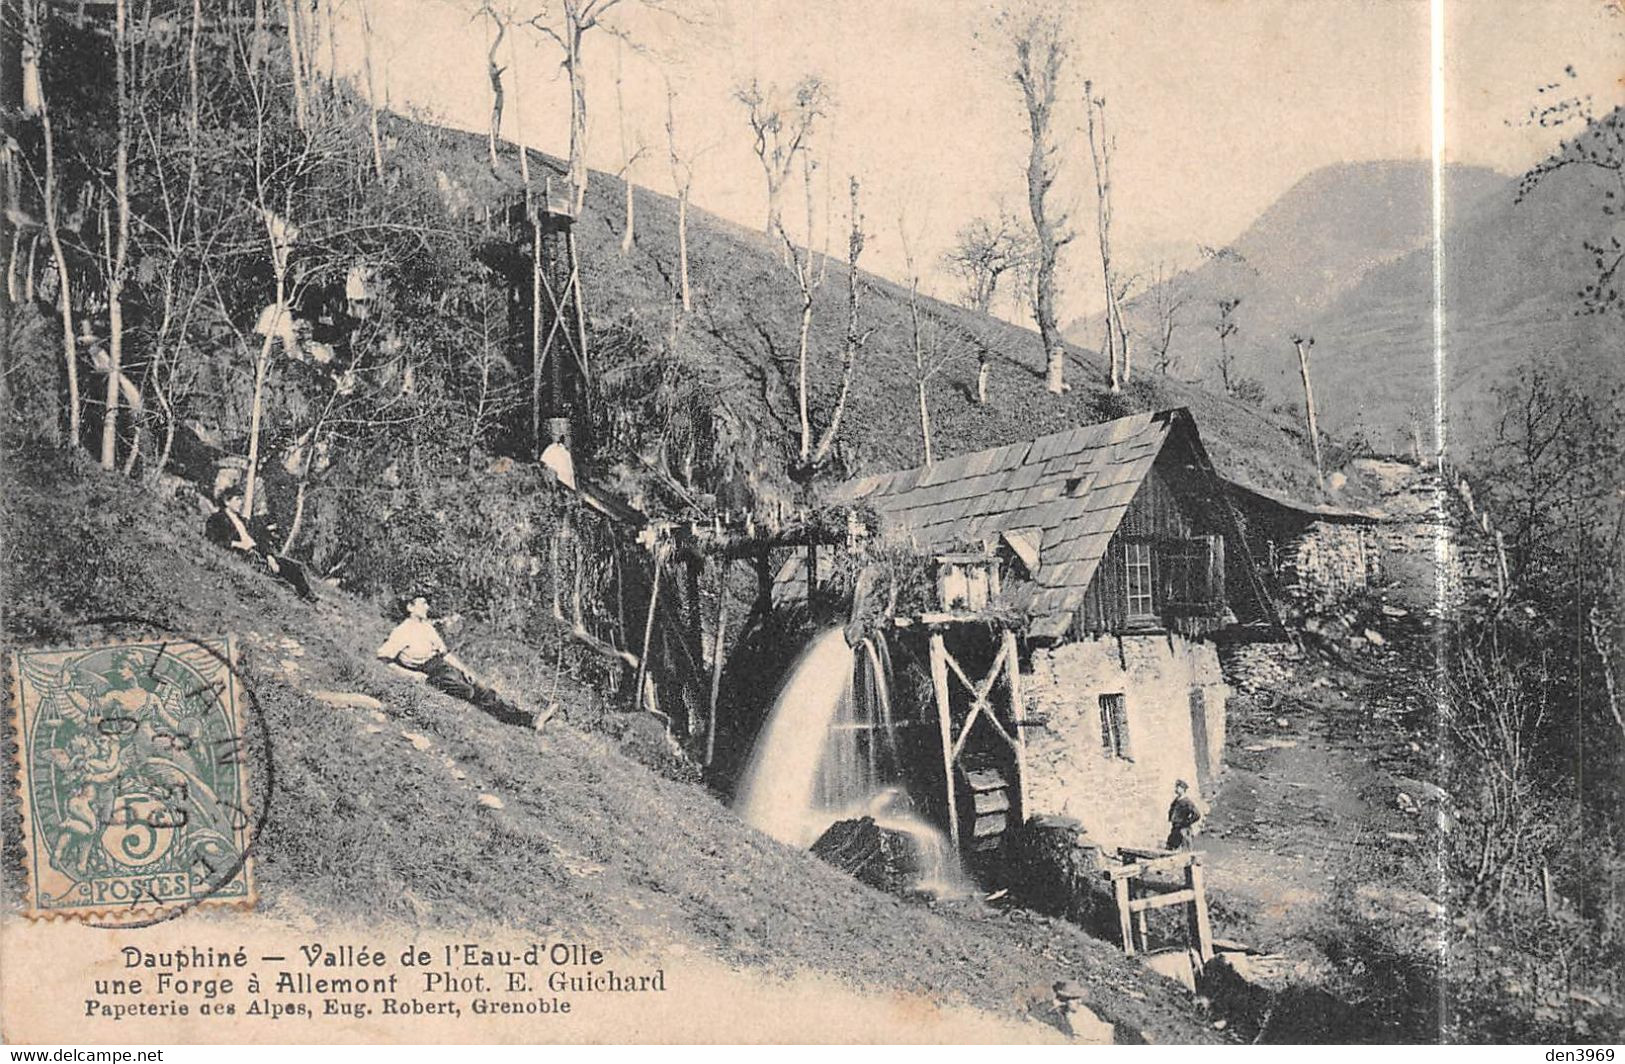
x,y
770,521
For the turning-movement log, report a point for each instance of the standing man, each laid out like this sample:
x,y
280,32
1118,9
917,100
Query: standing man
x,y
415,647
1184,818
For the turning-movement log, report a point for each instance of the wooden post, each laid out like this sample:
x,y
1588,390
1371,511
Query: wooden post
x,y
1142,922
1303,344
1201,929
1125,924
649,623
536,336
764,582
939,681
1018,717
716,670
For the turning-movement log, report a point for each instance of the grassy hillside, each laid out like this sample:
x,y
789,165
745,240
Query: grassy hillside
x,y
740,345
376,815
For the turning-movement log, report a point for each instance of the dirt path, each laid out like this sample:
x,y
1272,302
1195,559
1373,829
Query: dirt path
x,y
1321,843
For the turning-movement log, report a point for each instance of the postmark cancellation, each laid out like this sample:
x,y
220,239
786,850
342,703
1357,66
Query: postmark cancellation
x,y
134,779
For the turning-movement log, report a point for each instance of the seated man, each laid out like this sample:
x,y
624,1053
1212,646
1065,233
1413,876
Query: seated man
x,y
228,528
415,648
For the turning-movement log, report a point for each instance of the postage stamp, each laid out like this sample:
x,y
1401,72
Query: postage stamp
x,y
134,779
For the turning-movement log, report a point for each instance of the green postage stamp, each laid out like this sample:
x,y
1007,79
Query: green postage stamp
x,y
134,783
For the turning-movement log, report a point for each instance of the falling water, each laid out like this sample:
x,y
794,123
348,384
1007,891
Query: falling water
x,y
828,752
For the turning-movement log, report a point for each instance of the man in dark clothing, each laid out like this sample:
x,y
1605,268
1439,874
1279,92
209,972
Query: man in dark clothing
x,y
228,528
1184,817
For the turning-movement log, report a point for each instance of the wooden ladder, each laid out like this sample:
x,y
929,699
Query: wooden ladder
x,y
991,808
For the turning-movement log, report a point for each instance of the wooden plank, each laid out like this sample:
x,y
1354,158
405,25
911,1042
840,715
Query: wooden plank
x,y
991,802
1124,925
1018,718
1161,901
716,669
985,780
1201,927
939,681
1138,869
986,826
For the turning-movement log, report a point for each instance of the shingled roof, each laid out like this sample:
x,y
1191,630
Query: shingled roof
x,y
1068,490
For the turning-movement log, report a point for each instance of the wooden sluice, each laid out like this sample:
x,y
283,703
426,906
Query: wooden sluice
x,y
1136,897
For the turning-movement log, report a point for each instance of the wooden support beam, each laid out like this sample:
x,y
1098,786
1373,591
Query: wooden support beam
x,y
1161,901
716,670
1018,717
649,625
939,682
1201,928
1124,924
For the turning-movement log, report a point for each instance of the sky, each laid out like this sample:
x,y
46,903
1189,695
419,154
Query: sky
x,y
1217,106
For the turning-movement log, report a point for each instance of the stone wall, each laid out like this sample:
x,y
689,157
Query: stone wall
x,y
1172,688
1329,561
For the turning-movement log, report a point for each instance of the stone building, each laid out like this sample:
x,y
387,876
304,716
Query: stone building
x,y
1118,546
1312,556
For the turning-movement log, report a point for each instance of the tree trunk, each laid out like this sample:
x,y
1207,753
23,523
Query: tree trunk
x,y
519,120
682,247
301,103
1309,403
919,366
854,337
805,451
631,216
983,369
70,343
115,279
578,117
494,73
1044,284
1099,154
262,366
256,48
372,91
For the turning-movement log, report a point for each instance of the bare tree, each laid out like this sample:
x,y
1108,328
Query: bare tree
x,y
567,26
856,336
1495,709
630,155
1166,301
296,63
682,180
929,360
493,73
1599,147
1224,326
1101,146
984,251
807,283
34,40
117,252
782,126
364,7
1302,344
1041,44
